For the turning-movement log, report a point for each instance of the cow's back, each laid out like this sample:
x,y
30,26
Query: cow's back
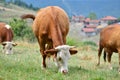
x,y
110,37
6,33
50,15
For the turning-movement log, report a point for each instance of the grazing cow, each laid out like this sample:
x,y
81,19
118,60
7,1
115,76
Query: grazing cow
x,y
51,26
110,42
6,36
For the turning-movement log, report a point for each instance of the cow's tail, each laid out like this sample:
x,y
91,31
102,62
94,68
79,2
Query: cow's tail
x,y
25,16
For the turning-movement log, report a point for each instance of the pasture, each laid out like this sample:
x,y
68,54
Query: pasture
x,y
25,64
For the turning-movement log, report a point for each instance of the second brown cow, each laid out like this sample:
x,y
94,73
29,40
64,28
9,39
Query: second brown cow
x,y
110,42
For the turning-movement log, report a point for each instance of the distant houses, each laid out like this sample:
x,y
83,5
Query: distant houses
x,y
77,18
109,20
93,27
90,26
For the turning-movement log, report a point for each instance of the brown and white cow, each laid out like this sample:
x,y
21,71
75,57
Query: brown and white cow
x,y
51,26
110,42
6,37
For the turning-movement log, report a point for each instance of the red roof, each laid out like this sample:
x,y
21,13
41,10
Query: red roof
x,y
95,21
109,18
87,20
91,26
88,29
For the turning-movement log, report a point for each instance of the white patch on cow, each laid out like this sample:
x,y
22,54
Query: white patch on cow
x,y
8,26
63,55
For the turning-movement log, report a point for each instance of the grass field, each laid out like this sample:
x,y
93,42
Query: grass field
x,y
25,64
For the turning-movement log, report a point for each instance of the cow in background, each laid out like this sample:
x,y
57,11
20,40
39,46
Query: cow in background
x,y
110,42
51,26
6,37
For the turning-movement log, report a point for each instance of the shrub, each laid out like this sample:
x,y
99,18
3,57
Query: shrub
x,y
71,42
22,30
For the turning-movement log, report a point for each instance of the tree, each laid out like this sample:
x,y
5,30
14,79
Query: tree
x,y
119,19
2,0
11,1
92,16
31,6
20,3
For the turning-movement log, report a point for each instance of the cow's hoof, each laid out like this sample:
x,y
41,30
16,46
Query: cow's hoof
x,y
119,71
111,68
42,67
7,53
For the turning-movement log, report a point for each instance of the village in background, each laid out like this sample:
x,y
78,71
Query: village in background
x,y
93,27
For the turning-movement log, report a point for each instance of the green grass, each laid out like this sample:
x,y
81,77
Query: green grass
x,y
25,64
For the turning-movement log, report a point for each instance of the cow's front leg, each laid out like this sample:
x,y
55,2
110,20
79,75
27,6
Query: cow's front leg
x,y
99,54
42,49
44,61
43,58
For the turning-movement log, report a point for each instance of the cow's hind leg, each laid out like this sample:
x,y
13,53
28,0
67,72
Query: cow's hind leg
x,y
99,54
104,56
119,59
109,59
119,62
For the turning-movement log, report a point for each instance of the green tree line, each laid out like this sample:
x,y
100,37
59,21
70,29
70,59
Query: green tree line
x,y
21,4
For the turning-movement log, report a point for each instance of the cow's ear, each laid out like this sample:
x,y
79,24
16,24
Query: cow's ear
x,y
4,43
73,51
51,52
14,44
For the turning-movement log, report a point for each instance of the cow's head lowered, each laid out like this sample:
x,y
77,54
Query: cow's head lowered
x,y
63,53
7,47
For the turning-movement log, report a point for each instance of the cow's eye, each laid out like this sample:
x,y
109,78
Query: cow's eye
x,y
59,59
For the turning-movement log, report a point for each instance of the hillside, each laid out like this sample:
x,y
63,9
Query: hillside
x,y
7,12
102,8
12,11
